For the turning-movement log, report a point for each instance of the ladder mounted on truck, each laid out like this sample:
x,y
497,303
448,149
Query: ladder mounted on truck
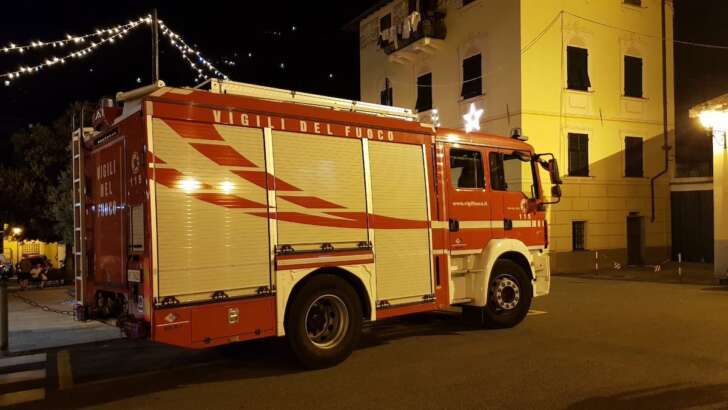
x,y
79,211
281,95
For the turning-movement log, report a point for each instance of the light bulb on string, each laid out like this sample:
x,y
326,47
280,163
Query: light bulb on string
x,y
38,44
178,42
24,70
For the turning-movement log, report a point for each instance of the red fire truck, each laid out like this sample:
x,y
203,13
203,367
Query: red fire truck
x,y
207,217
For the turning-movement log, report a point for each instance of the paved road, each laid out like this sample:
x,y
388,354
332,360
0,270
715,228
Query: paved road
x,y
600,345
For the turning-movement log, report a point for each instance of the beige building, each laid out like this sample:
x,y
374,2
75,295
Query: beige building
x,y
713,115
583,79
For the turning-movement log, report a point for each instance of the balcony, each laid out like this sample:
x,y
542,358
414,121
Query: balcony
x,y
426,39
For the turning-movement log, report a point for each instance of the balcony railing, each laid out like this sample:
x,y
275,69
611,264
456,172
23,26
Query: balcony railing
x,y
429,32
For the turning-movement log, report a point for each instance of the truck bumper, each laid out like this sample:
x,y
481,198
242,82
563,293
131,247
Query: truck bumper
x,y
541,266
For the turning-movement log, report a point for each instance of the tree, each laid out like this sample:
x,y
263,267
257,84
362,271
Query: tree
x,y
36,186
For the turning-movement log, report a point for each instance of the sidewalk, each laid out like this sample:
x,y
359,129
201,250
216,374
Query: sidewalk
x,y
692,273
32,328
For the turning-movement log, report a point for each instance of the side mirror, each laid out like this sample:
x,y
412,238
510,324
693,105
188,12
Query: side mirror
x,y
556,191
554,172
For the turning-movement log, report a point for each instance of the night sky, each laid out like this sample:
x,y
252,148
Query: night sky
x,y
306,37
297,45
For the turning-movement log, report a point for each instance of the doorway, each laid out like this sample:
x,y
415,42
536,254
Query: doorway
x,y
635,240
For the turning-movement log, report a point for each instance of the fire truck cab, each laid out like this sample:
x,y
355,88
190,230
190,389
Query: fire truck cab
x,y
208,217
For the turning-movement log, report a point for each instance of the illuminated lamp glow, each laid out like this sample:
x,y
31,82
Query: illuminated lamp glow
x,y
189,185
472,118
716,120
227,187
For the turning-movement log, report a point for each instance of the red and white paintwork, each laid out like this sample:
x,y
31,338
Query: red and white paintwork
x,y
124,170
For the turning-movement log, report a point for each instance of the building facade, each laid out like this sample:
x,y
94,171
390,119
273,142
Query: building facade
x,y
713,116
583,79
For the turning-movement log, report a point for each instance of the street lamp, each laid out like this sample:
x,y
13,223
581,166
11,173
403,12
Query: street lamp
x,y
16,232
717,122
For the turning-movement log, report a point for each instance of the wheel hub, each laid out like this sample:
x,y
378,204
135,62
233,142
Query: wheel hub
x,y
326,321
505,293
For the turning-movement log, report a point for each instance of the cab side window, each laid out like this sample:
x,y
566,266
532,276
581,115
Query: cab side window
x,y
466,169
509,173
497,174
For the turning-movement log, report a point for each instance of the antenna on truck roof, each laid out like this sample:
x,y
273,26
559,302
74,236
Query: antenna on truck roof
x,y
279,94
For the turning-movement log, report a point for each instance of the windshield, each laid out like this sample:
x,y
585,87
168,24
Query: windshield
x,y
511,173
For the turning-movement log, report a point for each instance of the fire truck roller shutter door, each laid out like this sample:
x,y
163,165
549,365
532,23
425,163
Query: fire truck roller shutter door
x,y
399,190
324,197
208,238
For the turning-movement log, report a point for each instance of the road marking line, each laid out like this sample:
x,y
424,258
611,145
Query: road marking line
x,y
65,374
23,376
536,312
8,399
18,360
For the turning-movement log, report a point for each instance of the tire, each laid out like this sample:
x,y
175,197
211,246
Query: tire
x,y
510,293
323,341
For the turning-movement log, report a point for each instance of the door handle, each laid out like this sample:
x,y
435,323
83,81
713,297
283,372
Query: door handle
x,y
454,225
508,224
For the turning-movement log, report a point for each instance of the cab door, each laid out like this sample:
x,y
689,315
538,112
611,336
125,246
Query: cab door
x,y
515,191
469,199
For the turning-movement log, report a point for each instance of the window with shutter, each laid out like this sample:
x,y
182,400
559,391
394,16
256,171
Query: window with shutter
x,y
472,77
385,22
633,157
578,235
578,155
577,61
386,97
424,92
411,6
632,76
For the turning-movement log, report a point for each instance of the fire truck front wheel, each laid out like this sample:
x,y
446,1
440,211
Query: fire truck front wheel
x,y
324,320
509,295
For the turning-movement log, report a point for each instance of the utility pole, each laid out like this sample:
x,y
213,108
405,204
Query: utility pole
x,y
3,298
155,47
3,316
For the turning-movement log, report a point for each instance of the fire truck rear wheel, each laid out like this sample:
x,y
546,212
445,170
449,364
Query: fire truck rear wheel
x,y
509,295
324,320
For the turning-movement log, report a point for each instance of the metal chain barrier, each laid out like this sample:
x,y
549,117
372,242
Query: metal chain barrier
x,y
42,307
47,308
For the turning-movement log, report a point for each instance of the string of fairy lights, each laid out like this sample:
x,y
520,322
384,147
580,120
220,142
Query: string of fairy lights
x,y
190,54
103,36
71,39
